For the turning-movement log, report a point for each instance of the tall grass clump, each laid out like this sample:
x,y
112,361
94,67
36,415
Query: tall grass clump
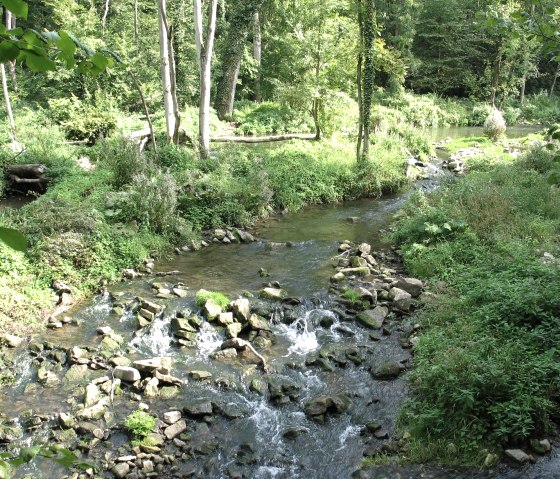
x,y
486,365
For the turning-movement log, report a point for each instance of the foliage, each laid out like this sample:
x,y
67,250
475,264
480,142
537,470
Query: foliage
x,y
13,238
140,423
495,125
486,363
218,298
58,454
269,117
84,120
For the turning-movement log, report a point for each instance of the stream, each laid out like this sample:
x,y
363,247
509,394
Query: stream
x,y
240,422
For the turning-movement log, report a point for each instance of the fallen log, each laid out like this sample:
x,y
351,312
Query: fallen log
x,y
26,170
264,139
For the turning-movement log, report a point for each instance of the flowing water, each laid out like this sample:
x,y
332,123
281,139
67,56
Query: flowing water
x,y
254,435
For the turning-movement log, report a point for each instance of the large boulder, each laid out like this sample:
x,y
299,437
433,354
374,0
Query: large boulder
x,y
373,318
412,286
326,405
241,309
211,310
400,298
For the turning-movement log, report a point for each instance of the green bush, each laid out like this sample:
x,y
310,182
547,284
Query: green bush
x,y
123,158
140,423
269,117
84,120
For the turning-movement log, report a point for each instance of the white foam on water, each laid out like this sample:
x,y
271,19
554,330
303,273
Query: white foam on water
x,y
267,420
208,340
269,472
350,431
23,370
154,339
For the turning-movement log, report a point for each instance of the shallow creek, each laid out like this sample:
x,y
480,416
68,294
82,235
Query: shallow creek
x,y
251,434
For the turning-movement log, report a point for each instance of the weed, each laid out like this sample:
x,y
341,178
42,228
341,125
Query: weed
x,y
140,423
218,298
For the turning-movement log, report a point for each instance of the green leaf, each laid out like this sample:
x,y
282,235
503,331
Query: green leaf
x,y
26,455
8,51
6,471
39,63
13,238
17,7
100,61
554,179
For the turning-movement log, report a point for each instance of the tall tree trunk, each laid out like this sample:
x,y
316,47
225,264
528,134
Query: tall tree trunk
x,y
523,86
8,104
368,31
206,47
105,13
173,77
241,21
553,86
136,26
359,83
11,24
166,69
257,55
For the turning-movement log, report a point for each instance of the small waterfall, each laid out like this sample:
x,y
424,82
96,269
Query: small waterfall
x,y
154,339
23,370
208,340
302,333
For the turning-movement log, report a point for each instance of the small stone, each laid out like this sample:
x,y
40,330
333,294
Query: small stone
x,y
92,396
171,417
152,307
258,323
225,318
373,318
161,364
120,470
364,248
518,455
211,310
388,370
362,271
181,293
200,374
241,309
225,354
127,374
233,330
491,460
175,429
151,388
199,409
273,293
338,277
11,341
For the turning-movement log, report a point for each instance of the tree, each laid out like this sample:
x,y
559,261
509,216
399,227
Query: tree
x,y
242,18
365,74
168,74
204,49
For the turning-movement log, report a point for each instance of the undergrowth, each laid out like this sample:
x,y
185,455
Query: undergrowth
x,y
486,366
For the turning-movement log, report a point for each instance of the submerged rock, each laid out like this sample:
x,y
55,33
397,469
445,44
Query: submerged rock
x,y
388,370
326,405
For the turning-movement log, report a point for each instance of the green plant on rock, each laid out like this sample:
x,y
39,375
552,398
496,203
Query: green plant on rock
x,y
140,424
220,299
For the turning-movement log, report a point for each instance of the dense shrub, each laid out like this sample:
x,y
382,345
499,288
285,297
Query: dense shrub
x,y
486,366
269,117
495,125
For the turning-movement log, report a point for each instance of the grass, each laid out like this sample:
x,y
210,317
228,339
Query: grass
x,y
139,423
486,366
218,298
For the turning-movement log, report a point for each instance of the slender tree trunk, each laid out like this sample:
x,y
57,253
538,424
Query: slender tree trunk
x,y
198,38
523,86
11,24
166,69
173,72
359,83
553,86
136,25
8,104
104,19
206,47
146,110
257,55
